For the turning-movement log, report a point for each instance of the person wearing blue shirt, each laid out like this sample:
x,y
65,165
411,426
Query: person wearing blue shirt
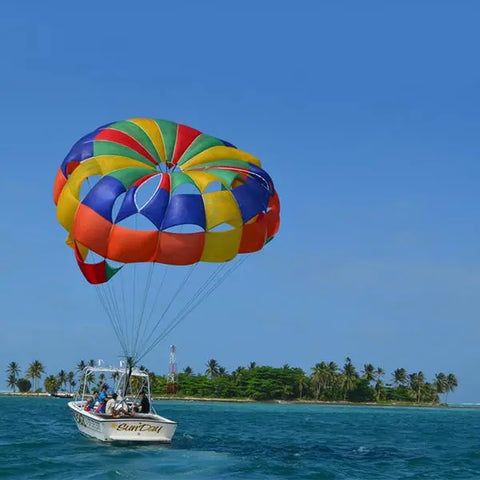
x,y
102,400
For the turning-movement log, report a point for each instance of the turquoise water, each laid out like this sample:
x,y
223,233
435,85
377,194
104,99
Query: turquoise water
x,y
38,440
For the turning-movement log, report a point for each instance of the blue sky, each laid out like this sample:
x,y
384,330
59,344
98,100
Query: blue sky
x,y
365,114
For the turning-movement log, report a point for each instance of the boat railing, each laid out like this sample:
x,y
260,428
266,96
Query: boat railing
x,y
137,381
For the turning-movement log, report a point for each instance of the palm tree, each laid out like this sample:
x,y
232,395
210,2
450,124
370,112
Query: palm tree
x,y
332,368
440,383
323,378
13,372
62,378
451,384
101,380
369,372
302,383
35,371
13,368
379,387
80,368
416,381
12,382
349,377
320,378
212,368
81,365
238,375
421,379
85,381
252,365
399,377
222,371
333,376
152,378
188,371
71,380
90,379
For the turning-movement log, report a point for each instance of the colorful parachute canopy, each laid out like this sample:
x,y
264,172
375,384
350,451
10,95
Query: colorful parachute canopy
x,y
241,216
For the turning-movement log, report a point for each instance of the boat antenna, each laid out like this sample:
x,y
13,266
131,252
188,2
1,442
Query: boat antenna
x,y
172,371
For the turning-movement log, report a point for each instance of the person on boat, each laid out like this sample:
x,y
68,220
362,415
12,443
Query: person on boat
x,y
114,408
144,406
95,400
110,406
90,403
122,405
102,400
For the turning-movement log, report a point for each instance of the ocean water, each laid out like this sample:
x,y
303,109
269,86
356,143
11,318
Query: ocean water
x,y
39,440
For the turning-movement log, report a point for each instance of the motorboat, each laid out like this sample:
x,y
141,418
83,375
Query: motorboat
x,y
62,395
129,424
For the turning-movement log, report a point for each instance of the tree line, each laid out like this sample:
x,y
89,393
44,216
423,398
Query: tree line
x,y
66,381
326,381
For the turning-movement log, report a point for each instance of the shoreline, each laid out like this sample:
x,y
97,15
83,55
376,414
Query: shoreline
x,y
276,402
24,394
310,402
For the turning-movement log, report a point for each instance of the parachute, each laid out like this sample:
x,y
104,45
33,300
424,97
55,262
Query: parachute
x,y
144,194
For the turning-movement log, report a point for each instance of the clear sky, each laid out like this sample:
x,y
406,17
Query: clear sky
x,y
365,114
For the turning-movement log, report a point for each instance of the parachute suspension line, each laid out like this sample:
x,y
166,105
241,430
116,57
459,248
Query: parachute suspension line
x,y
148,284
186,312
111,294
211,288
155,300
198,292
108,293
123,319
107,300
174,297
108,305
134,286
157,296
180,287
202,288
132,320
109,310
196,300
118,315
167,308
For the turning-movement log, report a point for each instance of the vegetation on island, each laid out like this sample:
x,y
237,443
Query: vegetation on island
x,y
326,381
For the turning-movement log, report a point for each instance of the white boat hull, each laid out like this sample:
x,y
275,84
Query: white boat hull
x,y
139,428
